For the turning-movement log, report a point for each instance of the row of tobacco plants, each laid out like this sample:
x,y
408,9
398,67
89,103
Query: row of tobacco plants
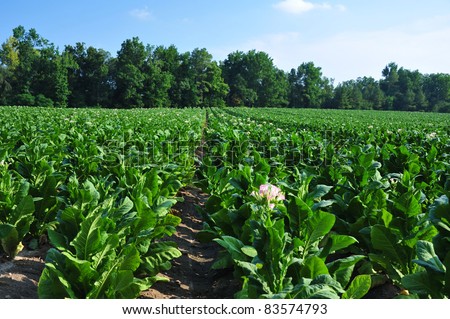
x,y
329,204
98,185
304,203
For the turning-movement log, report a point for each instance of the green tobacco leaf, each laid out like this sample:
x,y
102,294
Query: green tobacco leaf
x,y
419,283
236,184
358,288
78,272
432,154
91,238
22,192
23,208
89,195
223,262
107,253
408,204
128,260
313,267
213,204
233,246
322,204
428,258
320,191
365,159
249,251
9,238
322,287
319,225
70,220
158,256
59,241
152,182
385,241
122,285
53,284
342,269
391,269
341,241
163,208
439,213
124,207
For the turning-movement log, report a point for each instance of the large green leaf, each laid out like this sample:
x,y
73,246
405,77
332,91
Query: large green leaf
x,y
58,240
337,242
319,225
419,283
159,256
313,267
358,288
54,285
124,208
386,242
127,262
233,246
107,252
428,258
91,237
23,208
319,191
322,287
9,238
342,269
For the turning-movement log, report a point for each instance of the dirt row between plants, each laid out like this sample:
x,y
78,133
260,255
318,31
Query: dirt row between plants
x,y
19,277
191,276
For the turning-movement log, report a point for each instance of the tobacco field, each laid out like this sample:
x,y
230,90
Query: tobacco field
x,y
302,203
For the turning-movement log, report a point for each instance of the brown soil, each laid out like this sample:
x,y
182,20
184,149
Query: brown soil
x,y
19,277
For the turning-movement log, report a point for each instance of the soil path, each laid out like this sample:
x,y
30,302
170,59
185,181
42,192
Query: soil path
x,y
19,277
191,276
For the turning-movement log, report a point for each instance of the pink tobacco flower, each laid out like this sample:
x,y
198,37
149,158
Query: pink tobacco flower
x,y
271,193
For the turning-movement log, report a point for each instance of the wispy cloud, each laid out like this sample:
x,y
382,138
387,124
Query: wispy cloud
x,y
302,6
421,45
142,14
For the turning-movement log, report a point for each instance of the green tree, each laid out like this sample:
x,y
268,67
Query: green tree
x,y
254,80
205,78
157,81
436,88
88,70
348,95
373,96
130,76
409,96
238,78
308,88
389,84
37,68
5,86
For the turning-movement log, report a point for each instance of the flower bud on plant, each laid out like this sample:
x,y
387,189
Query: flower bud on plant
x,y
271,193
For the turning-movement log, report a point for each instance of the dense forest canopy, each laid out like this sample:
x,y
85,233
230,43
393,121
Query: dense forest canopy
x,y
33,72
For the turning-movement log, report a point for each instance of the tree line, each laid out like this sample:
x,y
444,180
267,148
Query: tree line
x,y
34,72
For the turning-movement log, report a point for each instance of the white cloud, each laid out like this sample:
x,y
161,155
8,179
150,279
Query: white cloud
x,y
422,45
141,14
302,6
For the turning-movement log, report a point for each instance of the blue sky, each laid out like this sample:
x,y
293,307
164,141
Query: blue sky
x,y
346,38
